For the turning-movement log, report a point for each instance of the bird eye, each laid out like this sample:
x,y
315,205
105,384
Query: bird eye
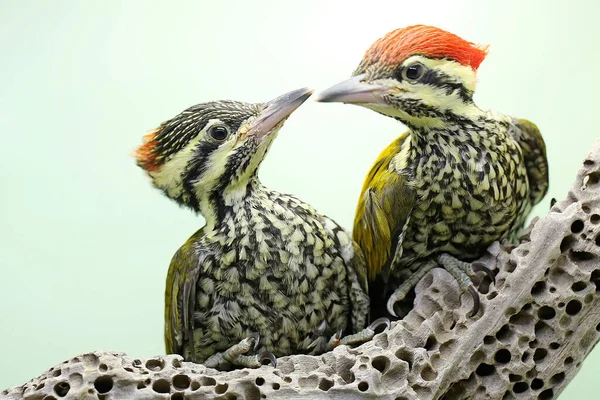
x,y
218,132
413,72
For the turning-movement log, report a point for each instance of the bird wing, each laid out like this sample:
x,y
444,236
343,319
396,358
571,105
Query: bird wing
x,y
383,209
180,296
534,152
359,289
356,274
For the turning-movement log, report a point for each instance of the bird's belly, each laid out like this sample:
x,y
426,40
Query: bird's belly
x,y
464,225
465,202
284,300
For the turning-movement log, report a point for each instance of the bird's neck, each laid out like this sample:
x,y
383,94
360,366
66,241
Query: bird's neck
x,y
453,131
218,204
458,146
433,115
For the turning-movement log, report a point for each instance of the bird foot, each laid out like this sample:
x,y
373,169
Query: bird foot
x,y
462,272
366,334
236,355
361,337
319,345
402,291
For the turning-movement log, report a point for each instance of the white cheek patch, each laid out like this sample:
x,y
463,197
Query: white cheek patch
x,y
440,99
168,177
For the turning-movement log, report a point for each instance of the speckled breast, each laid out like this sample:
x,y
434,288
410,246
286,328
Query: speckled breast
x,y
278,271
466,199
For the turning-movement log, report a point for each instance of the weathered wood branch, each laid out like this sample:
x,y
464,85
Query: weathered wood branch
x,y
540,320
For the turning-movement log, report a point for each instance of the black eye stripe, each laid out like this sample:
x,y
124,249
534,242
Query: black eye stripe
x,y
197,165
449,83
433,77
439,79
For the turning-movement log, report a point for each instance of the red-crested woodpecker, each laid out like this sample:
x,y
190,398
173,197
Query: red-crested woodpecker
x,y
459,179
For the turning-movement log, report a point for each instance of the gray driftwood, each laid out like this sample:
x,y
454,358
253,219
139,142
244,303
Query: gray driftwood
x,y
541,320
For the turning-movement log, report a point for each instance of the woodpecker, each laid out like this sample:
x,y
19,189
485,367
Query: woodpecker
x,y
459,179
267,275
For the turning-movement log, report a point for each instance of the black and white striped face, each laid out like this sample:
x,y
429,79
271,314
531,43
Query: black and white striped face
x,y
213,146
419,91
200,145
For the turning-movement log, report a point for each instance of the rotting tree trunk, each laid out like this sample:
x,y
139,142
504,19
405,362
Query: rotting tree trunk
x,y
540,321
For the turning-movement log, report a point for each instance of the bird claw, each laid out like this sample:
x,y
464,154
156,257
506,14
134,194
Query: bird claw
x,y
404,289
478,266
390,308
338,334
269,357
256,337
383,321
476,302
335,340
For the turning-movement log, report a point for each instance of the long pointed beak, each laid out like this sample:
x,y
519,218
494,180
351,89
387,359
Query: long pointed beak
x,y
354,91
277,110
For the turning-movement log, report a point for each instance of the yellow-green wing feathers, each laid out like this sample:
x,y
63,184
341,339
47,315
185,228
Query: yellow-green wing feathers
x,y
180,298
383,208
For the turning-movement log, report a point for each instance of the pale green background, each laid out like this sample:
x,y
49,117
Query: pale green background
x,y
86,241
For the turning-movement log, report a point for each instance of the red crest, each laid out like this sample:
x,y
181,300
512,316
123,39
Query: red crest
x,y
428,41
146,154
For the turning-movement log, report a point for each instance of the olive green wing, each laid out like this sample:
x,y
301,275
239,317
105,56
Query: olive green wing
x,y
180,297
383,210
534,152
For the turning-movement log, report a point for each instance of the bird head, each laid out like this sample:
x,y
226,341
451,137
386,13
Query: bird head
x,y
418,74
213,148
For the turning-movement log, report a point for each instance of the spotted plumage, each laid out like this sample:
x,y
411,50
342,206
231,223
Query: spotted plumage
x,y
265,262
273,265
456,200
457,180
